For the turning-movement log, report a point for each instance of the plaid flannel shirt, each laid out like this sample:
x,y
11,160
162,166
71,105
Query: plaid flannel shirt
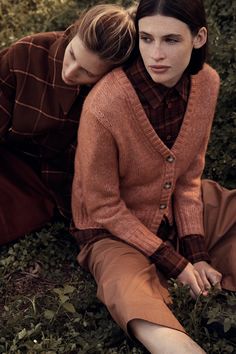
x,y
39,113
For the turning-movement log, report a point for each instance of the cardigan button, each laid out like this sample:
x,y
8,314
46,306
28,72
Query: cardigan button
x,y
167,185
163,206
170,159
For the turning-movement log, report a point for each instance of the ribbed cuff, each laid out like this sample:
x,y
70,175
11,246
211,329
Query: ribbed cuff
x,y
168,261
194,249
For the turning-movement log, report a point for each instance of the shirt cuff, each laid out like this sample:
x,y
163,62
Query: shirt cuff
x,y
194,249
168,261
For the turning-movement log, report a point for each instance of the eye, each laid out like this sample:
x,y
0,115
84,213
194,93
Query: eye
x,y
89,74
145,39
171,40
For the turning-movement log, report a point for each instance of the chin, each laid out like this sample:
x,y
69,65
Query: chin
x,y
165,82
157,79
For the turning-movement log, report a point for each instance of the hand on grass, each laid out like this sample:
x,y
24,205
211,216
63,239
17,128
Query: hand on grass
x,y
209,276
190,276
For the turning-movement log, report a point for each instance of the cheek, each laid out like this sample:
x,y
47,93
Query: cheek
x,y
92,81
144,52
187,52
65,60
187,57
84,80
142,47
180,57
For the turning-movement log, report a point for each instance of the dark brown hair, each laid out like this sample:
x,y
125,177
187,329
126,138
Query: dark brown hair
x,y
191,12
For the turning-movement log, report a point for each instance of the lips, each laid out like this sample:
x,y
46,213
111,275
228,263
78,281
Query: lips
x,y
159,68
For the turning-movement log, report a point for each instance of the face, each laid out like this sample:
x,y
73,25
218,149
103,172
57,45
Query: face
x,y
166,46
81,66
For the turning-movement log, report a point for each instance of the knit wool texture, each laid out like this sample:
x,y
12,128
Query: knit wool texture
x,y
126,178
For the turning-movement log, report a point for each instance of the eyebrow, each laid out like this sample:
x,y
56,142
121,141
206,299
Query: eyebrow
x,y
176,35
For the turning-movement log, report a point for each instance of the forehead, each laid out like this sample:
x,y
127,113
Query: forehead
x,y
162,25
87,59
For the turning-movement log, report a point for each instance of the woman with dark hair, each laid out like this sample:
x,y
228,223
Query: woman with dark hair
x,y
141,212
44,79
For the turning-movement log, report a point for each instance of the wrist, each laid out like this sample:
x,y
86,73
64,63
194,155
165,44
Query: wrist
x,y
194,249
168,261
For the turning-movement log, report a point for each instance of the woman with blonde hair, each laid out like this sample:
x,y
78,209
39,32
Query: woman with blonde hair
x,y
141,212
44,79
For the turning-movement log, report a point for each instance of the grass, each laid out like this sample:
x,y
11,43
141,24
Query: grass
x,y
48,303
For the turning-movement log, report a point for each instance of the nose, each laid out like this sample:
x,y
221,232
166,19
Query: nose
x,y
157,52
71,71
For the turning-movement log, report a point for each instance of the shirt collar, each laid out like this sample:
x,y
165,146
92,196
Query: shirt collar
x,y
152,92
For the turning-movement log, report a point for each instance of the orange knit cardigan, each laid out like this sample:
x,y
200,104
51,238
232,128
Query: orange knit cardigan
x,y
126,179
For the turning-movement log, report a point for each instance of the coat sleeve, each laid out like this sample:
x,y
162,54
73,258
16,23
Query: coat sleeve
x,y
7,90
96,181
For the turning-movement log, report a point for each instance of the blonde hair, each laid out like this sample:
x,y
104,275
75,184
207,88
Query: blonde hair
x,y
109,31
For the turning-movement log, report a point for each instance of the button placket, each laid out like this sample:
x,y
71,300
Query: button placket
x,y
167,185
170,159
163,206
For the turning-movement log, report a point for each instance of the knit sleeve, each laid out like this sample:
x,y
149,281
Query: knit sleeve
x,y
7,90
96,186
188,205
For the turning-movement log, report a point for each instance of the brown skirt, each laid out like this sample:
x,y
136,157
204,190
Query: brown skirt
x,y
130,286
25,203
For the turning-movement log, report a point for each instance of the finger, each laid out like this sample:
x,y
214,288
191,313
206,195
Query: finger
x,y
215,279
193,295
196,289
206,283
218,286
199,281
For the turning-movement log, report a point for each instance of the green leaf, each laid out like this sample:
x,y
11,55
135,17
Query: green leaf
x,y
58,291
22,334
68,289
69,307
227,324
49,314
211,320
63,298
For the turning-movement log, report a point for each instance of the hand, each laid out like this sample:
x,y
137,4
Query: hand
x,y
190,276
209,276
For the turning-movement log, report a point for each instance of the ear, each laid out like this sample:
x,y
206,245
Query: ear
x,y
200,39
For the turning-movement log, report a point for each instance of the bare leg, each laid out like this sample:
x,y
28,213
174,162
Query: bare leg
x,y
163,340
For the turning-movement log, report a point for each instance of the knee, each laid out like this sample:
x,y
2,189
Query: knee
x,y
159,339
